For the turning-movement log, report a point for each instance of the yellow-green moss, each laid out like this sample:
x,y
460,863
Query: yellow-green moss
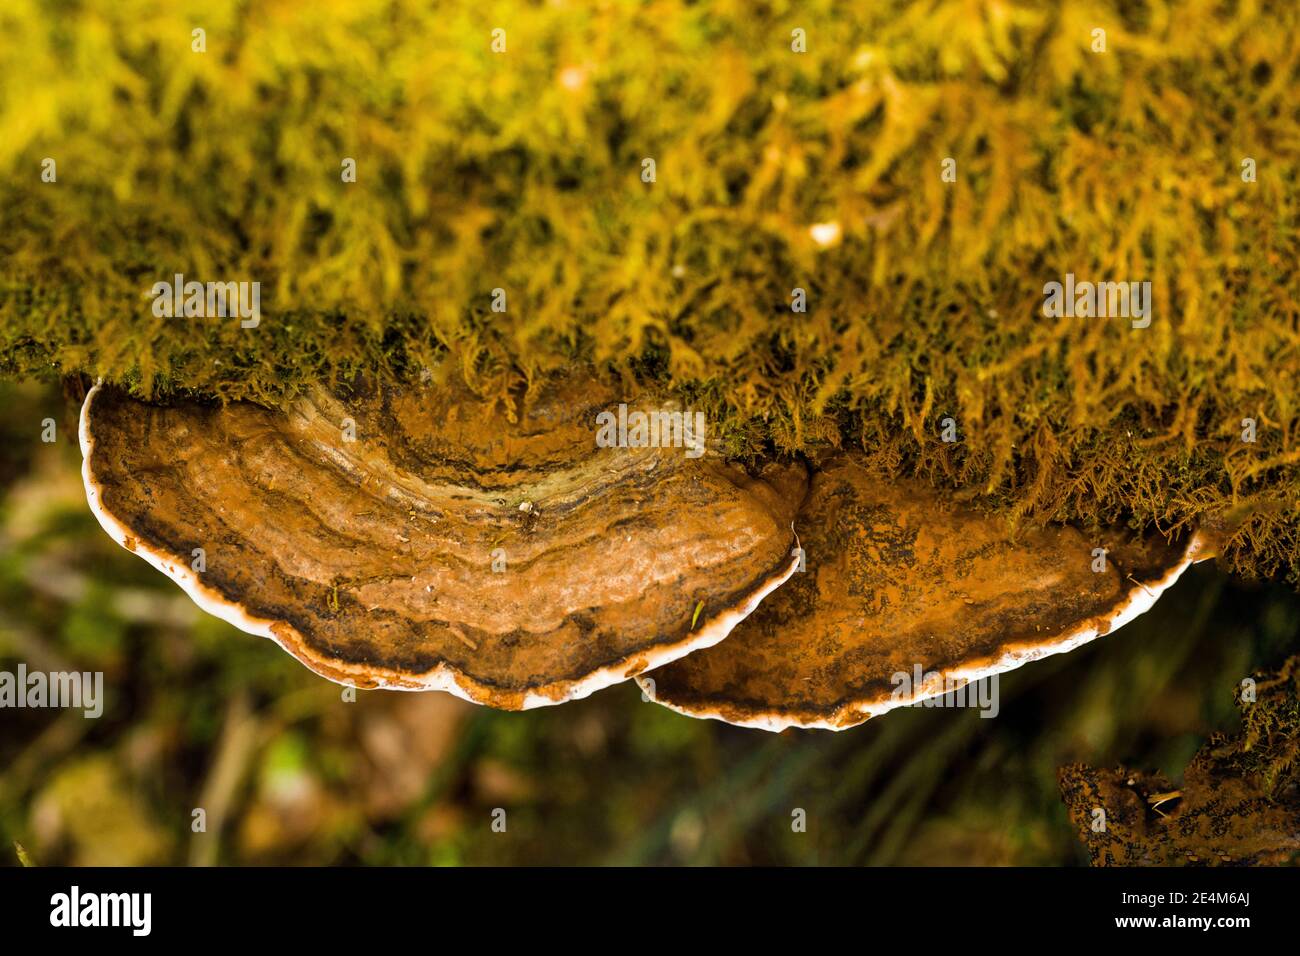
x,y
522,170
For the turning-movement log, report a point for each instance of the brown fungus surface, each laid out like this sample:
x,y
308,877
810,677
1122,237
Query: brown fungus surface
x,y
425,539
900,583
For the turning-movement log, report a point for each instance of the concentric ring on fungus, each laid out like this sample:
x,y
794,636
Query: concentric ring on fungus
x,y
419,539
899,578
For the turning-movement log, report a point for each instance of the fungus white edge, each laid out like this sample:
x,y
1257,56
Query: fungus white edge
x,y
443,677
1140,600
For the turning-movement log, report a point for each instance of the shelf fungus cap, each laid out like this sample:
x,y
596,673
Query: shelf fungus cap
x,y
425,539
905,596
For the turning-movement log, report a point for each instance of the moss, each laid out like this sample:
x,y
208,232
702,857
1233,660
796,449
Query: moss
x,y
1270,743
521,171
1237,804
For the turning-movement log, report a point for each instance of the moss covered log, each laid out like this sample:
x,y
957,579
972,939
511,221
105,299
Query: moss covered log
x,y
1239,802
919,170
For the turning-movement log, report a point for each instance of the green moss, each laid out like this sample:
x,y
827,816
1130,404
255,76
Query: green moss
x,y
1237,793
1270,742
521,171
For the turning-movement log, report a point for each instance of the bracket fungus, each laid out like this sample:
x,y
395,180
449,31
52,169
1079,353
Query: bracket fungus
x,y
421,539
900,581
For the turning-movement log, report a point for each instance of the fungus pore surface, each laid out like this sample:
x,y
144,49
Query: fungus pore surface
x,y
422,538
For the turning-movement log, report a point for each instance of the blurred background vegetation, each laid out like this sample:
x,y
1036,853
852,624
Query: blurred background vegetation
x,y
198,714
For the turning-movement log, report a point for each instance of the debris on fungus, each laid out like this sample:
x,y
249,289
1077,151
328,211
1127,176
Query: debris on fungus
x,y
900,581
1238,805
419,539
